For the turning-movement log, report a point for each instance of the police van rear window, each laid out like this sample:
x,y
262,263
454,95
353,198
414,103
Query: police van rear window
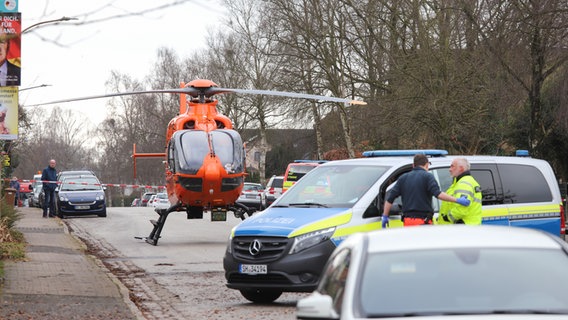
x,y
523,184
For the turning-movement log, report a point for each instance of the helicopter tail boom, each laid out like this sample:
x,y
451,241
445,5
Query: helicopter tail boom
x,y
144,155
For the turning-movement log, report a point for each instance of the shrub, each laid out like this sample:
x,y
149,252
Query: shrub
x,y
12,242
8,215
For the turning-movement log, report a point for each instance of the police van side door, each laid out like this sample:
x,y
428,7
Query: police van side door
x,y
375,209
530,197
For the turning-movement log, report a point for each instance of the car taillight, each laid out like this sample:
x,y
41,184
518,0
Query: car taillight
x,y
271,190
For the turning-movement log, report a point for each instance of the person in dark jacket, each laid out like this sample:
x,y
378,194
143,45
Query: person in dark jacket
x,y
49,178
15,184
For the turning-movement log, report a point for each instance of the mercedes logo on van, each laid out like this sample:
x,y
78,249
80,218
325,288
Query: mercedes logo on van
x,y
255,247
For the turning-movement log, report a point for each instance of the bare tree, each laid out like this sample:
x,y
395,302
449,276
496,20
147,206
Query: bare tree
x,y
529,40
59,134
258,66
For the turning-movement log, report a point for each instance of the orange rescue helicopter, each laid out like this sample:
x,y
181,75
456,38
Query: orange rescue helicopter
x,y
204,157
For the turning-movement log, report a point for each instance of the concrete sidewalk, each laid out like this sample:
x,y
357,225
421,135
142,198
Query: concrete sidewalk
x,y
59,280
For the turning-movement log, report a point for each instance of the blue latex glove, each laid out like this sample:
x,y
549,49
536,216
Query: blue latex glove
x,y
463,201
385,221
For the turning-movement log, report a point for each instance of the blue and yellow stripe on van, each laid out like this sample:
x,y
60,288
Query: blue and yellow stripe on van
x,y
544,217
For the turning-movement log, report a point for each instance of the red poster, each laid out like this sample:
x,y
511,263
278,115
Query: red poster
x,y
10,52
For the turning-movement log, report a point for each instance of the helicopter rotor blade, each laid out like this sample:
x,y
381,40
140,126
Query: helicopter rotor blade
x,y
189,90
210,91
289,95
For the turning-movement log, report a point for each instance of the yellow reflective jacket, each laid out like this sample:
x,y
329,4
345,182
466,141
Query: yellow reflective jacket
x,y
451,212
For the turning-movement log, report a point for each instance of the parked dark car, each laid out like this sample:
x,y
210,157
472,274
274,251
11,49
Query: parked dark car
x,y
80,195
63,174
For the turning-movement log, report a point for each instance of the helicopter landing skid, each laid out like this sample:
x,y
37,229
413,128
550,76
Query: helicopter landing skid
x,y
240,210
159,225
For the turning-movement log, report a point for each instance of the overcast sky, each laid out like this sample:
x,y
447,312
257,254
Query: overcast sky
x,y
84,56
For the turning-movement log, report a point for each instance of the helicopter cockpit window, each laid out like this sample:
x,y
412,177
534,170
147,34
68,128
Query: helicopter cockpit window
x,y
192,148
228,146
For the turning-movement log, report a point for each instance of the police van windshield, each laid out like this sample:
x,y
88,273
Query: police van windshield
x,y
332,186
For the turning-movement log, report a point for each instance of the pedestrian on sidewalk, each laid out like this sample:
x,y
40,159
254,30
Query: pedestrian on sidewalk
x,y
49,179
15,184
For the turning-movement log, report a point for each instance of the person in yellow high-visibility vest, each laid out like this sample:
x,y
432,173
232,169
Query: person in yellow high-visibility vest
x,y
464,185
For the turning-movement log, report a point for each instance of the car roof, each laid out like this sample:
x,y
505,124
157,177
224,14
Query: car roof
x,y
446,160
308,164
78,176
76,172
459,236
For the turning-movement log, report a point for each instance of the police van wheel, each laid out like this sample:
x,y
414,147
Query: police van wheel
x,y
261,296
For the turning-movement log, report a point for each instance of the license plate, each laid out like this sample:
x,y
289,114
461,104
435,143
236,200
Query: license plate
x,y
82,207
252,196
253,268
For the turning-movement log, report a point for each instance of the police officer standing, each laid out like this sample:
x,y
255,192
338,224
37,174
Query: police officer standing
x,y
417,188
464,185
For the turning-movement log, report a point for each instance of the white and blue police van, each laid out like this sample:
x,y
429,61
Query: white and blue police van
x,y
285,247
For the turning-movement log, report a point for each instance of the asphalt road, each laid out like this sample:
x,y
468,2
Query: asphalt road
x,y
180,278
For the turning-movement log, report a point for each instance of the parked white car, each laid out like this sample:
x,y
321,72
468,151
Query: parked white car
x,y
251,195
160,201
454,272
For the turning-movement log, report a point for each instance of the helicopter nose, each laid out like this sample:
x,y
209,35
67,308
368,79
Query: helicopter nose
x,y
212,176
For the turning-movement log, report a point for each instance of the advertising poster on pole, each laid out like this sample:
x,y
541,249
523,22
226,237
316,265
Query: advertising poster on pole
x,y
10,44
8,113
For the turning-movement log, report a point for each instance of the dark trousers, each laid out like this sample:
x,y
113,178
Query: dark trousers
x,y
49,202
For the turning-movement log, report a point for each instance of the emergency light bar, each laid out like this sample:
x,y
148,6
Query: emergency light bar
x,y
522,153
405,153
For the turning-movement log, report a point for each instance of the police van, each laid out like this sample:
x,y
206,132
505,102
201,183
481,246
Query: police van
x,y
285,247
